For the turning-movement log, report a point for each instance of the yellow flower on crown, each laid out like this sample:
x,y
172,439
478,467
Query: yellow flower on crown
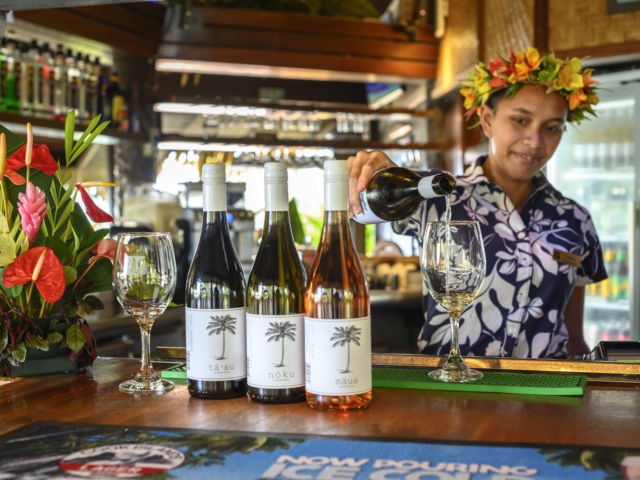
x,y
563,77
569,77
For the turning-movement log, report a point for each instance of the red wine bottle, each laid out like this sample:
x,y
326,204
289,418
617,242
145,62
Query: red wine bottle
x,y
215,302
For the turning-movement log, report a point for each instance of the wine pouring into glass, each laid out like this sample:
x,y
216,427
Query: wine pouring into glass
x,y
144,280
453,268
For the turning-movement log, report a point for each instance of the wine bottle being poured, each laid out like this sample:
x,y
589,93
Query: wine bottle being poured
x,y
395,193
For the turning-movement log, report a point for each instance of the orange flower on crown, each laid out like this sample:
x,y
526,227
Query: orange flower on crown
x,y
524,64
565,77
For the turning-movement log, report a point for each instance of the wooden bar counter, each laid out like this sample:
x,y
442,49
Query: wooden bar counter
x,y
607,415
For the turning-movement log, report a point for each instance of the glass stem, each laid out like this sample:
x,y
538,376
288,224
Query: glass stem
x,y
146,373
454,362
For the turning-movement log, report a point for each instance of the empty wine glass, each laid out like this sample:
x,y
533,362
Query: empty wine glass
x,y
453,267
144,279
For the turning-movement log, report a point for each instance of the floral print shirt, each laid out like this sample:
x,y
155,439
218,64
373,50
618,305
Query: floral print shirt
x,y
519,311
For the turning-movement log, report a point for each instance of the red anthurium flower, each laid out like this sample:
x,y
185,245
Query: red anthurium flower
x,y
38,264
104,249
93,212
41,159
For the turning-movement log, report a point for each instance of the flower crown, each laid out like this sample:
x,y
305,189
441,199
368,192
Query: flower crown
x,y
565,77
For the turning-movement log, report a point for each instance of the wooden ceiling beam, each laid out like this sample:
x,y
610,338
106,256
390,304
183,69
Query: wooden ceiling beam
x,y
316,61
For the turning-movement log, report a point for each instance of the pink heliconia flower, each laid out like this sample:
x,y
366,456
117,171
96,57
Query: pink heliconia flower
x,y
104,249
32,206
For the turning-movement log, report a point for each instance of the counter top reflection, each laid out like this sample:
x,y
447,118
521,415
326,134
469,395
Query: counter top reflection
x,y
606,415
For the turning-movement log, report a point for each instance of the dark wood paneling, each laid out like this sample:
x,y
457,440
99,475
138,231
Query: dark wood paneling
x,y
541,25
36,4
608,50
606,416
123,27
274,58
309,24
242,37
123,18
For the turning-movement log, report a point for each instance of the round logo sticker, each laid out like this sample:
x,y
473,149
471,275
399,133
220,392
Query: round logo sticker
x,y
121,461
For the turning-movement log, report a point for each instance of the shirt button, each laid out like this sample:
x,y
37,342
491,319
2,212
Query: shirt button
x,y
521,235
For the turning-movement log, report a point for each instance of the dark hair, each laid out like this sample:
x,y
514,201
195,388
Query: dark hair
x,y
497,97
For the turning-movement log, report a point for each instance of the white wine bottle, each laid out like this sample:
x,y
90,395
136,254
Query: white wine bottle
x,y
337,322
275,303
395,193
215,302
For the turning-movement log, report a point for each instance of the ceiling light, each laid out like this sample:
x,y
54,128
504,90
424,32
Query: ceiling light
x,y
238,69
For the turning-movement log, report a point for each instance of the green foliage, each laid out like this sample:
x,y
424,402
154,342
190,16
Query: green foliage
x,y
343,8
14,142
38,342
70,235
75,338
20,353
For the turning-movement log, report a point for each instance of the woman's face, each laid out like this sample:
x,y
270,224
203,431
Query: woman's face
x,y
524,131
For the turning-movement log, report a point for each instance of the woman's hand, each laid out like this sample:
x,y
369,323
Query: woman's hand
x,y
361,168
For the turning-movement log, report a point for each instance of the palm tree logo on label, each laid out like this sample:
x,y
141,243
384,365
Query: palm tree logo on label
x,y
220,325
281,331
344,336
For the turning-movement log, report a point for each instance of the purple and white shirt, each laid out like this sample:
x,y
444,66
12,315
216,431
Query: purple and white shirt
x,y
519,311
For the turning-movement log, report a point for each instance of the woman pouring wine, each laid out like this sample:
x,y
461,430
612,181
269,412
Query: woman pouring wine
x,y
541,248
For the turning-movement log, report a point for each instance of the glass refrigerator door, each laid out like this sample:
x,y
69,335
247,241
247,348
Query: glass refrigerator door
x,y
595,166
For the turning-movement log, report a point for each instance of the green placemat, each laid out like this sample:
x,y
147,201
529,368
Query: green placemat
x,y
494,382
176,372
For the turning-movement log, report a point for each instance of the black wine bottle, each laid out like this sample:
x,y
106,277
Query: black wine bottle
x,y
395,193
275,303
216,302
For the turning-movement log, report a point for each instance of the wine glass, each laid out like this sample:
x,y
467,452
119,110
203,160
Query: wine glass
x,y
144,279
453,268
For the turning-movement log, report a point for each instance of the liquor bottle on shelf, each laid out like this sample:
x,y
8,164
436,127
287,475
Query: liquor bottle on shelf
x,y
60,83
114,101
604,287
216,302
337,321
24,80
35,63
81,87
395,193
10,99
90,86
72,75
47,88
275,303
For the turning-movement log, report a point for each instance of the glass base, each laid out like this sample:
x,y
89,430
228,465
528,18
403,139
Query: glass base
x,y
156,386
464,375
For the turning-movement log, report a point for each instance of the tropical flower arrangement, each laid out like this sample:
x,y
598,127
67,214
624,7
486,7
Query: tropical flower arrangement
x,y
52,260
565,77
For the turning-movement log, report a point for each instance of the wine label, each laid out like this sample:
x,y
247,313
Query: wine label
x,y
366,217
216,344
275,351
338,356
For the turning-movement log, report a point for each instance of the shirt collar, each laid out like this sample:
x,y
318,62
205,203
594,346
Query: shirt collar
x,y
474,174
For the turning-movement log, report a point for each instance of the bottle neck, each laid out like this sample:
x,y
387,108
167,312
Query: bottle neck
x,y
214,197
336,222
336,196
277,228
276,196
